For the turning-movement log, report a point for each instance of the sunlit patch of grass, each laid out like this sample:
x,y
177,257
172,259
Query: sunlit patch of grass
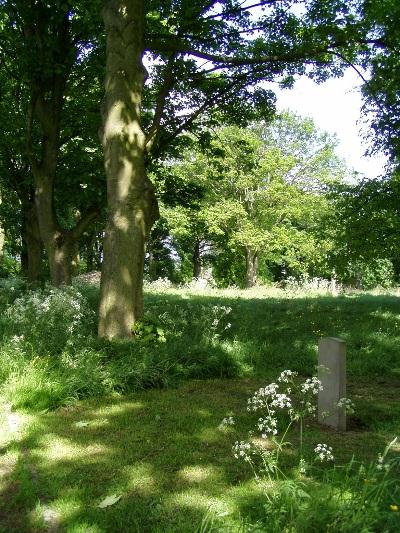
x,y
163,453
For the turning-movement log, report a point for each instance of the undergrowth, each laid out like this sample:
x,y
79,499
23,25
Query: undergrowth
x,y
50,354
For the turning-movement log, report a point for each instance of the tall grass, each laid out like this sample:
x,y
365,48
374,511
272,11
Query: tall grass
x,y
50,355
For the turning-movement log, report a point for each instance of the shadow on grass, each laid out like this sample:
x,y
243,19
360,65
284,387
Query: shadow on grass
x,y
160,450
273,334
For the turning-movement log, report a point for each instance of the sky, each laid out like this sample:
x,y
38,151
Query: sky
x,y
335,106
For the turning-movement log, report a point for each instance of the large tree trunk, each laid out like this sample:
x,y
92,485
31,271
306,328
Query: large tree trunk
x,y
251,268
32,246
196,260
132,207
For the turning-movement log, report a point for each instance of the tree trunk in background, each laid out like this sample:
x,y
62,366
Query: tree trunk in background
x,y
51,234
132,206
251,268
2,238
32,246
46,105
1,243
196,260
62,246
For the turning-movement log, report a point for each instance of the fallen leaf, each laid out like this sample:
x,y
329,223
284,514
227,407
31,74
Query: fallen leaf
x,y
81,424
110,500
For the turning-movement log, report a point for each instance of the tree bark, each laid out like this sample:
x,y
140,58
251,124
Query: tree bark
x,y
1,244
251,268
32,246
196,260
132,206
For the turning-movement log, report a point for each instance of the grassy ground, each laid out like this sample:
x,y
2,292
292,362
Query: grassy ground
x,y
163,453
161,450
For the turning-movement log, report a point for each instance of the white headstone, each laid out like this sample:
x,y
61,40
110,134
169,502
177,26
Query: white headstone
x,y
332,373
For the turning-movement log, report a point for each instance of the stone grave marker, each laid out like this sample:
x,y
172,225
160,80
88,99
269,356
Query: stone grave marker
x,y
332,373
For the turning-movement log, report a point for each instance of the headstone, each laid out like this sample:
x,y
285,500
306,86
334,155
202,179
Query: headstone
x,y
332,373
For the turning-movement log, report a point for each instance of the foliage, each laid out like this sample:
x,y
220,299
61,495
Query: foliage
x,y
381,90
347,498
51,357
146,330
367,229
263,195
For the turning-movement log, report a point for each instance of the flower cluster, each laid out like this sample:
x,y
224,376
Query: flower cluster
x,y
312,385
228,421
324,452
267,425
242,450
308,407
380,463
282,401
261,398
347,405
286,376
51,317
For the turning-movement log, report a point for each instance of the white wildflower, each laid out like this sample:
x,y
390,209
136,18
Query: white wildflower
x,y
347,405
286,376
228,421
267,425
312,385
324,452
242,450
281,401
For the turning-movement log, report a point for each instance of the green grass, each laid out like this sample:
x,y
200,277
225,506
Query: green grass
x,y
146,428
163,453
225,334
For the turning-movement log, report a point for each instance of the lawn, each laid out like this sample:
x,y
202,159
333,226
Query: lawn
x,y
161,450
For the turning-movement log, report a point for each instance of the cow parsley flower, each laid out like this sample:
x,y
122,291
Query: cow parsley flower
x,y
242,450
324,452
228,421
267,425
347,405
312,385
286,376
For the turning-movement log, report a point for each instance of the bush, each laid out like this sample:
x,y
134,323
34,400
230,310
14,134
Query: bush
x,y
50,354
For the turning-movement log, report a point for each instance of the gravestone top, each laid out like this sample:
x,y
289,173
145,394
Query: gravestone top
x,y
332,374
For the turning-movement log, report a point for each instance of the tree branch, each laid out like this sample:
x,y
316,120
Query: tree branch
x,y
161,99
85,220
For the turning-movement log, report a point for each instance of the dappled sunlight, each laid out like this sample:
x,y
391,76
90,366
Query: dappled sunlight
x,y
204,413
140,478
199,474
195,499
121,222
162,452
117,408
68,503
55,448
209,435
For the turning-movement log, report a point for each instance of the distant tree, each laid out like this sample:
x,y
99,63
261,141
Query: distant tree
x,y
367,223
263,197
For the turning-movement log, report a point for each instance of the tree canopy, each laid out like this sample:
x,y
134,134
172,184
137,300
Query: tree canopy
x,y
175,72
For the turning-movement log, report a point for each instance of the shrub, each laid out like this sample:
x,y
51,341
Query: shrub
x,y
50,319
